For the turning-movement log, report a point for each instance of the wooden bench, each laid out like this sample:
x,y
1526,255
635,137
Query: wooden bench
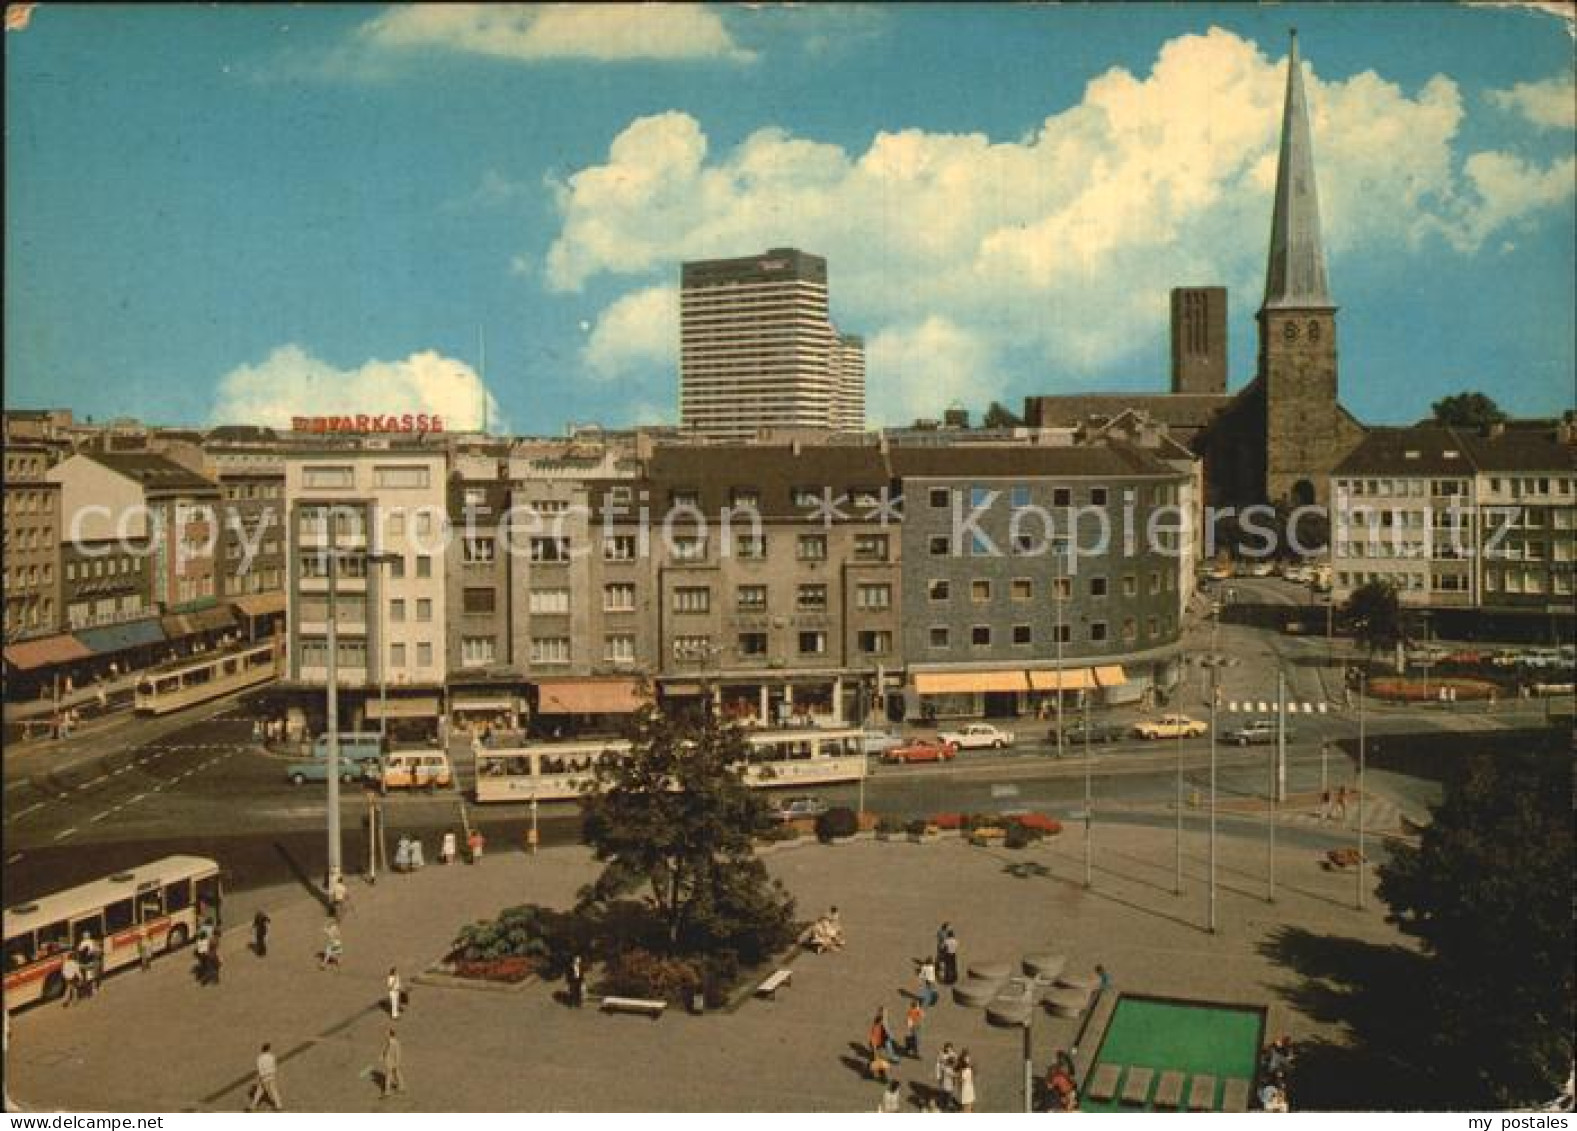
x,y
1202,1094
653,1009
1102,1084
774,982
1136,1088
1234,1096
1169,1092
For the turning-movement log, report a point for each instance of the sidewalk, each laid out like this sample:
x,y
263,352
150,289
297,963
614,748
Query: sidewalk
x,y
469,1049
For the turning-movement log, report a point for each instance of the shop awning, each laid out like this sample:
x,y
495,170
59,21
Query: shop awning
x,y
217,619
421,707
259,604
589,697
177,625
120,637
1111,676
462,702
1069,679
680,690
45,651
956,683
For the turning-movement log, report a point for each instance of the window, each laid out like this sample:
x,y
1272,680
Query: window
x,y
1018,497
397,610
1022,634
873,597
1151,628
812,643
550,506
980,592
941,546
1098,631
401,476
547,550
980,636
752,547
424,524
618,597
396,655
424,654
1061,497
1130,630
937,589
1155,582
684,497
690,549
1061,588
476,651
980,497
324,476
693,648
865,498
870,548
746,497
939,500
618,648
548,601
1097,496
1097,587
938,637
808,496
752,644
692,599
619,548
550,649
479,551
751,598
479,601
424,565
875,643
1130,585
424,610
811,598
397,566
1023,589
812,548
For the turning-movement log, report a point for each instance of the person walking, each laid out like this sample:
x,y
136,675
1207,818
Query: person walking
x,y
446,854
71,979
392,984
1341,803
576,979
947,1076
144,951
203,948
881,1037
892,1097
913,1018
950,957
266,1087
391,1063
928,990
966,1082
941,947
339,897
333,947
260,922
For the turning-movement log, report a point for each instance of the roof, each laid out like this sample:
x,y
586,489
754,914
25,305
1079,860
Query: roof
x,y
1178,411
1111,459
1295,275
1424,451
713,471
155,472
122,885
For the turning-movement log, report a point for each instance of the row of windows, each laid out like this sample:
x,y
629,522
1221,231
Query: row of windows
x,y
29,612
103,567
33,538
313,652
387,476
1023,635
1523,486
238,491
313,564
29,576
26,502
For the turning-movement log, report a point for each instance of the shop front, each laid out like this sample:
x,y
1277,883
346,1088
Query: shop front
x,y
572,708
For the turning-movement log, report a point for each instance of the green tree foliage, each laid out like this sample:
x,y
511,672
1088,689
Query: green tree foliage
x,y
1467,410
1488,892
674,818
1375,613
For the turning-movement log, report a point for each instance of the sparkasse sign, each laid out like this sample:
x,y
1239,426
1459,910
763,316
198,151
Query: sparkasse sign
x,y
369,423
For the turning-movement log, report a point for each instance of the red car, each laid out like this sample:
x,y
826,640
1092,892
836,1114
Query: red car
x,y
921,750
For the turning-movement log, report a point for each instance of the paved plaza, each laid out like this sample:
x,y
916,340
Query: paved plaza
x,y
158,1041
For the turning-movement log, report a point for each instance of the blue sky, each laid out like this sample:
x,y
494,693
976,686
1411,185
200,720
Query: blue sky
x,y
240,213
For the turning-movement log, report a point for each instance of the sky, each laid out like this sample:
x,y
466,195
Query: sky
x,y
240,213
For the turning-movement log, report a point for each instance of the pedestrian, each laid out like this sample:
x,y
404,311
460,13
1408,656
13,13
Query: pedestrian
x,y
391,1064
447,853
941,947
913,1019
1341,803
966,1082
883,1031
475,843
260,923
402,855
892,1097
947,1076
71,978
339,897
267,1085
576,979
1325,805
202,950
395,990
928,990
950,957
144,950
417,861
214,960
1103,979
333,947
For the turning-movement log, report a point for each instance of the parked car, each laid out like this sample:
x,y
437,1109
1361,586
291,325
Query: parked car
x,y
978,736
300,773
1171,726
796,808
921,750
878,741
1097,732
1254,733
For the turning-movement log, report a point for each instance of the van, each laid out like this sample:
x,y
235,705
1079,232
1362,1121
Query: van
x,y
416,769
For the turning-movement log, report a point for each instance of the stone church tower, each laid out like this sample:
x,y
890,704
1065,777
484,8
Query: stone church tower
x,y
1307,432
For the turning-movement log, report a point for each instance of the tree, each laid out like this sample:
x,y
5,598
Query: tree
x,y
675,817
1000,416
1467,410
1375,612
1488,892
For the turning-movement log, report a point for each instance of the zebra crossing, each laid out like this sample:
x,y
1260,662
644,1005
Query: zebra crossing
x,y
1268,707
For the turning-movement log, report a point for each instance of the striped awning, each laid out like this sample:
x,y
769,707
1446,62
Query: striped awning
x,y
120,637
45,651
1111,676
963,683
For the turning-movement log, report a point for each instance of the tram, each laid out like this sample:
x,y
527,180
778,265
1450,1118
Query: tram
x,y
197,679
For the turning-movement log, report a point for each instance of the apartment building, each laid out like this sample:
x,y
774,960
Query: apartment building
x,y
32,543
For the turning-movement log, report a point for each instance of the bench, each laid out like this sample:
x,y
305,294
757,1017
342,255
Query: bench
x,y
1202,1094
1136,1088
1102,1084
1169,1092
1234,1097
653,1009
774,982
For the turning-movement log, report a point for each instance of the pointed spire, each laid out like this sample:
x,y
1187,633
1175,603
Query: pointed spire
x,y
1295,277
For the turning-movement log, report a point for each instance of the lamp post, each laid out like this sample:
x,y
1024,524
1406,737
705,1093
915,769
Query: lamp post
x,y
1362,755
1089,798
335,863
1056,597
1177,804
1211,923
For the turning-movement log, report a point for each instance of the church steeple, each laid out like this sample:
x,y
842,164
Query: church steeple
x,y
1295,276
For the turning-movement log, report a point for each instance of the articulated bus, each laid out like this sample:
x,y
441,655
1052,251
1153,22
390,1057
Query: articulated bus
x,y
197,679
157,900
551,771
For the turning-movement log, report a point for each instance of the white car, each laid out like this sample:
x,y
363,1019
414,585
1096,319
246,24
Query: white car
x,y
978,736
878,741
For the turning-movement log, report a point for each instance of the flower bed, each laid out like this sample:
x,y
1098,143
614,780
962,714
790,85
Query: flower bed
x,y
1423,691
507,970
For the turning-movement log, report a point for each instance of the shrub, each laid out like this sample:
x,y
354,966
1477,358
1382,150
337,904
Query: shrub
x,y
834,823
1020,835
640,973
528,931
786,830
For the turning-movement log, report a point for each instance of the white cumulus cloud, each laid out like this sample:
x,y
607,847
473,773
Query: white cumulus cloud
x,y
531,32
1550,103
637,331
918,370
291,382
1051,253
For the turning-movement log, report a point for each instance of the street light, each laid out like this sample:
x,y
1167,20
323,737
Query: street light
x,y
1362,694
1214,698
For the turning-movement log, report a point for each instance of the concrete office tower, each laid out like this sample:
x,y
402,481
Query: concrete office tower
x,y
756,347
848,371
1199,339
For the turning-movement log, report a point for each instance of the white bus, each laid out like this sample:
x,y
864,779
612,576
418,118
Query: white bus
x,y
550,771
197,679
159,900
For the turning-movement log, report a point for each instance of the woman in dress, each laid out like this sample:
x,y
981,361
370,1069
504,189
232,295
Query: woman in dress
x,y
966,1082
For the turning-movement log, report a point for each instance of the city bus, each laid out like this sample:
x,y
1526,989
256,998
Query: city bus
x,y
550,771
157,900
197,679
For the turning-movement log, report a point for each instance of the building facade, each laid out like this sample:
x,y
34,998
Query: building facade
x,y
1199,340
32,543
